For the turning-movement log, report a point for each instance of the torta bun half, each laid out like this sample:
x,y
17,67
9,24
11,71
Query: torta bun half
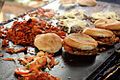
x,y
68,1
49,42
109,24
80,41
87,2
96,32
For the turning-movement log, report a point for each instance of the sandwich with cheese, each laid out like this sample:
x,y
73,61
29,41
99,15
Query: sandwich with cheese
x,y
109,24
80,44
102,36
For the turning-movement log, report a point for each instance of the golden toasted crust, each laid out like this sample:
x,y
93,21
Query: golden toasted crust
x,y
96,32
81,41
87,2
68,1
49,42
109,24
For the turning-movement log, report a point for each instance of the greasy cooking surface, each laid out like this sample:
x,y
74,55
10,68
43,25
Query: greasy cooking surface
x,y
109,68
67,69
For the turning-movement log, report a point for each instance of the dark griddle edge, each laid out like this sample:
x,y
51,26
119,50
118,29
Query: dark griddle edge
x,y
99,72
111,1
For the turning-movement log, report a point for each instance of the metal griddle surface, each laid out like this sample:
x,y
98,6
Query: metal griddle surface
x,y
68,68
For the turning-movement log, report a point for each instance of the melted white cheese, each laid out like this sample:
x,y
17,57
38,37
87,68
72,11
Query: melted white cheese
x,y
105,15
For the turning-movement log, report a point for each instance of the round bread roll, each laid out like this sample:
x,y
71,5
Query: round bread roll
x,y
96,32
109,24
49,42
87,2
68,1
80,41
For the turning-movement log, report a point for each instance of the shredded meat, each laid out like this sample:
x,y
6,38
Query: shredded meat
x,y
21,50
5,43
23,33
48,13
39,76
1,55
9,50
36,62
23,61
2,32
26,60
8,59
33,66
12,50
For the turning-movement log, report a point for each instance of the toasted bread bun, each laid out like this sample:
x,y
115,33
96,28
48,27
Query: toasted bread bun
x,y
109,24
96,32
49,42
87,2
80,41
68,1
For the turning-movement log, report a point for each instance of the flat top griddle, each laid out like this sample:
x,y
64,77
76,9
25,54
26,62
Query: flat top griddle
x,y
110,69
70,67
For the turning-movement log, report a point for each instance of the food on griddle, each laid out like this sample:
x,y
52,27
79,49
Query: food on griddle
x,y
42,13
13,51
75,13
37,32
24,32
102,36
40,62
2,32
73,21
33,66
37,62
28,75
1,55
105,15
87,2
26,60
68,3
109,24
5,43
8,59
73,25
81,2
80,44
49,42
35,3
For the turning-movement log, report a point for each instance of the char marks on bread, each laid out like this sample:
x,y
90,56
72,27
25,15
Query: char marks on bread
x,y
80,41
96,32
